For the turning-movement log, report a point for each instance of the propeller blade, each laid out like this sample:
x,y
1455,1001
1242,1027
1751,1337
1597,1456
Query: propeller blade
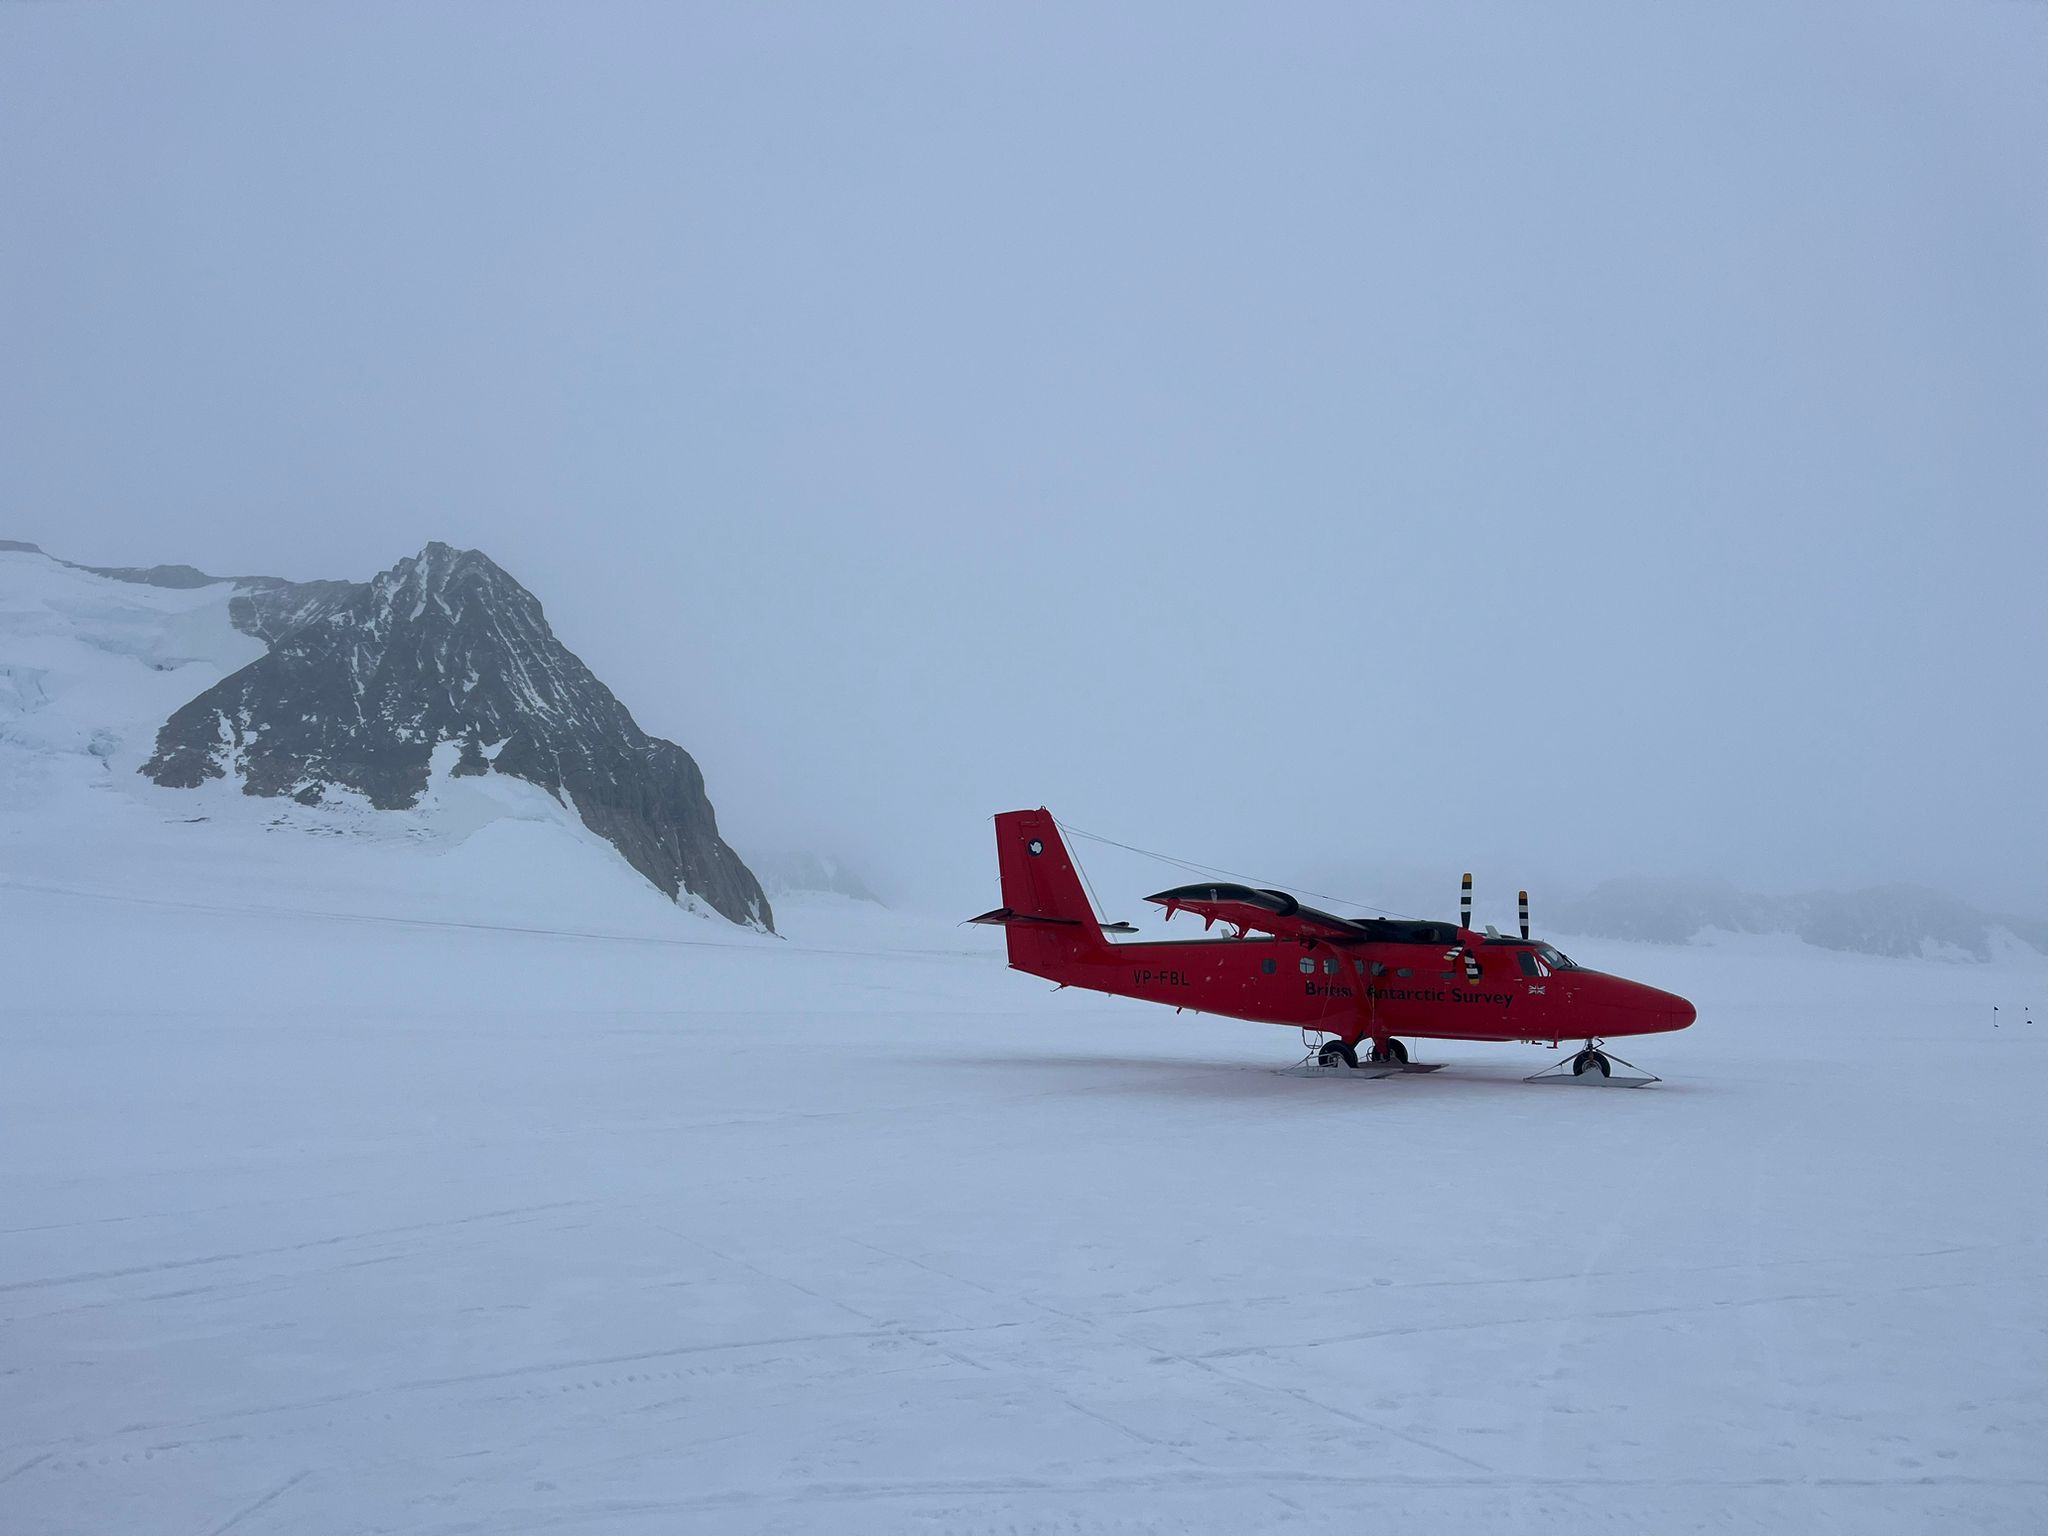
x,y
1525,914
1471,961
1465,903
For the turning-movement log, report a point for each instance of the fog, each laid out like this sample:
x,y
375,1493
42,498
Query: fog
x,y
1335,443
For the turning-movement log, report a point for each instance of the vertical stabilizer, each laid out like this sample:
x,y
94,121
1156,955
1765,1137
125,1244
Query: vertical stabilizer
x,y
1048,919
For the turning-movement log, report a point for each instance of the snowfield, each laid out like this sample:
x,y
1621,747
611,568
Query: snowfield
x,y
328,1225
428,1172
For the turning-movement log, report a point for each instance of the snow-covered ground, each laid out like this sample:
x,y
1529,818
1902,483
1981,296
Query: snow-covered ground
x,y
429,1173
319,1225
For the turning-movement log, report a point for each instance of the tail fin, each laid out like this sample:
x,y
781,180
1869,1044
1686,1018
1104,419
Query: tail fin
x,y
1046,914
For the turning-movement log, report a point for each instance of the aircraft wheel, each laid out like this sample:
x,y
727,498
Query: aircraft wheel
x,y
1396,1051
1590,1060
1335,1053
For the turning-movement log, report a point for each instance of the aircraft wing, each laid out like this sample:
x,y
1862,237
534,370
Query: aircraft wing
x,y
1255,911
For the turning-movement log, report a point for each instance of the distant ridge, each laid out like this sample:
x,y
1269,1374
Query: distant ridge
x,y
812,874
263,606
1899,920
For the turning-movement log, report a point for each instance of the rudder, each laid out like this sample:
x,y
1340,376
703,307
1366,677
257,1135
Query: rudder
x,y
1046,914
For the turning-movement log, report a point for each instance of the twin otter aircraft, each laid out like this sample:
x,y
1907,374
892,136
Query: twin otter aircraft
x,y
1365,981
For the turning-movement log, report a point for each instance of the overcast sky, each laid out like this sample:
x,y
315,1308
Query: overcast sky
x,y
1331,441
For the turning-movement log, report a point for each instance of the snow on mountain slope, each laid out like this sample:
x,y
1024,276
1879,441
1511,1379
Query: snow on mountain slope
x,y
92,666
89,668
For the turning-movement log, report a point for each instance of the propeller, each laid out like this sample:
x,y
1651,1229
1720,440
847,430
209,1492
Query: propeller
x,y
1459,951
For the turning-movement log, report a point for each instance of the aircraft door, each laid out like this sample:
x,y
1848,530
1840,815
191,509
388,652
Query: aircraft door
x,y
1540,997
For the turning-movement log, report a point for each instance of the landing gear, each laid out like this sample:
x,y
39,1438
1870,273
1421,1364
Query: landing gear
x,y
1593,1065
1373,1059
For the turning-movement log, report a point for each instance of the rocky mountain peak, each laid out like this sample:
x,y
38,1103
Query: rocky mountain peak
x,y
364,680
447,578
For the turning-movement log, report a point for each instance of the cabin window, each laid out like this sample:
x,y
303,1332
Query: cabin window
x,y
1308,966
1378,969
1268,967
1406,970
1329,967
1358,966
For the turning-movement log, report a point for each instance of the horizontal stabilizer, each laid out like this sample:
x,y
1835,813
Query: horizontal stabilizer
x,y
1005,917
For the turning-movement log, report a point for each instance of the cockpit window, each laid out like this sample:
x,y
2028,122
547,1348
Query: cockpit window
x,y
1527,962
1555,959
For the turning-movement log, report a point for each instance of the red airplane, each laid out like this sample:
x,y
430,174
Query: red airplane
x,y
1363,981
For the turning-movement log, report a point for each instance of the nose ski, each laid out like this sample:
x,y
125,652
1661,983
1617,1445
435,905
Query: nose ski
x,y
1593,1067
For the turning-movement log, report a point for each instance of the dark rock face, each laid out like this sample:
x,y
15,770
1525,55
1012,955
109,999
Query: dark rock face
x,y
364,680
179,576
269,608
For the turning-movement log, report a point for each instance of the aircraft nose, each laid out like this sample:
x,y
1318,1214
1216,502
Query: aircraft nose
x,y
1682,1013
